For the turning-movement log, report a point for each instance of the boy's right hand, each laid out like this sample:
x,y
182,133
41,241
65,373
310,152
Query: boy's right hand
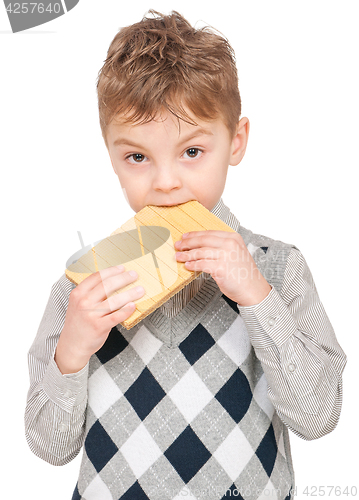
x,y
92,313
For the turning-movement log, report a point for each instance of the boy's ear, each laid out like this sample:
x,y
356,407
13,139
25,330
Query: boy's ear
x,y
239,141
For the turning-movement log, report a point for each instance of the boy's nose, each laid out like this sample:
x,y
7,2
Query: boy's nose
x,y
166,180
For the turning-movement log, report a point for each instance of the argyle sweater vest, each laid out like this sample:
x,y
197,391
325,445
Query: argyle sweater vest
x,y
178,407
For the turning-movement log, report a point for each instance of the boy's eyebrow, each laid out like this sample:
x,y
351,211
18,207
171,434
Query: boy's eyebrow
x,y
196,133
122,141
127,142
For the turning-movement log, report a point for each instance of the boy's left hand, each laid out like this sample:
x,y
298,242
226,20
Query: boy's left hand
x,y
225,256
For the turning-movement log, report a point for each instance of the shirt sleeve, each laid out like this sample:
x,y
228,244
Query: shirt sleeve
x,y
297,347
56,403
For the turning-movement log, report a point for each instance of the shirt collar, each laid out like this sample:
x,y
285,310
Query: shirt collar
x,y
223,212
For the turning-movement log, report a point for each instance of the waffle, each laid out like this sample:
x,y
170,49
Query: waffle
x,y
145,244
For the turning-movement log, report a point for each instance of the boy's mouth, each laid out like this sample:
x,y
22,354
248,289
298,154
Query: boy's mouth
x,y
174,204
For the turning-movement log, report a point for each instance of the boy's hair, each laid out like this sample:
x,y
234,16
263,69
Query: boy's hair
x,y
164,63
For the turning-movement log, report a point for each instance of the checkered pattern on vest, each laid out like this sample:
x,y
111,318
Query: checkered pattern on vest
x,y
185,419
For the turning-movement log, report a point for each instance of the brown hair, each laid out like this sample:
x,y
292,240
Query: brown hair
x,y
163,62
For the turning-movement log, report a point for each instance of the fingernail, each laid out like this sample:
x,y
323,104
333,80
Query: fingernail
x,y
120,267
184,235
133,274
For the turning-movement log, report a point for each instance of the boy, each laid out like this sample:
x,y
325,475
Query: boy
x,y
195,400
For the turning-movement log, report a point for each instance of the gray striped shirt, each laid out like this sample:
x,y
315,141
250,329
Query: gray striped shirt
x,y
290,333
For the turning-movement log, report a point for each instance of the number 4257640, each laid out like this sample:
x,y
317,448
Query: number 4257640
x,y
335,491
33,7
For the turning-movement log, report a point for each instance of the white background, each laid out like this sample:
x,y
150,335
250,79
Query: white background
x,y
298,77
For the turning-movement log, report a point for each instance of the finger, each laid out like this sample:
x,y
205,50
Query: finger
x,y
111,284
120,299
94,279
212,232
212,267
200,241
206,266
200,253
118,316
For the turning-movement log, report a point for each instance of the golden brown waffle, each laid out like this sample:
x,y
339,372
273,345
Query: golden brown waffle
x,y
145,243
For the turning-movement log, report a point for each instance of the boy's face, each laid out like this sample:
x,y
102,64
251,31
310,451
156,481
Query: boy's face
x,y
160,163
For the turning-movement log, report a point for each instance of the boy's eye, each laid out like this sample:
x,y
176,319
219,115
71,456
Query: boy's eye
x,y
192,152
136,158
